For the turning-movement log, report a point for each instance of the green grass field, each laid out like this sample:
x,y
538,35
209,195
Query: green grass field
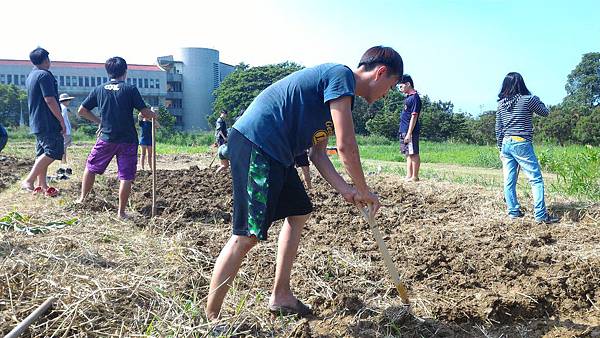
x,y
577,167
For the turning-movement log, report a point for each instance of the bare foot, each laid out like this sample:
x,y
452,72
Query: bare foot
x,y
414,179
28,187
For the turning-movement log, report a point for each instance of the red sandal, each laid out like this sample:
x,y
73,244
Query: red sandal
x,y
51,192
37,191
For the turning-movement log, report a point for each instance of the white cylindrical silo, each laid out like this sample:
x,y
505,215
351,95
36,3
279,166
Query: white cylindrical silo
x,y
200,77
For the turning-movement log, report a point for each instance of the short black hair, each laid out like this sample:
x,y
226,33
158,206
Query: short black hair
x,y
380,55
115,67
38,56
407,78
512,85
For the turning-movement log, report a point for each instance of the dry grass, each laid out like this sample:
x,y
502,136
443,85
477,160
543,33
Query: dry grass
x,y
150,277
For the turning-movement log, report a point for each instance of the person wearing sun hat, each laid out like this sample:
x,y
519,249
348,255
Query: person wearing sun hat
x,y
65,100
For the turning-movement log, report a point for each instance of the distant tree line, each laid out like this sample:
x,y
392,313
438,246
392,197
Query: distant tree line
x,y
576,120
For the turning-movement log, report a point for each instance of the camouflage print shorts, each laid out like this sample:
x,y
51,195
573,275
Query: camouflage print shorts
x,y
258,189
264,190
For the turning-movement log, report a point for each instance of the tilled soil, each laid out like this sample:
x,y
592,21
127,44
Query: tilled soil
x,y
470,271
464,263
11,170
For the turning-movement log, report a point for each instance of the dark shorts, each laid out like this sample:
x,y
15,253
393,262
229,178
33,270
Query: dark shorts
x,y
264,190
103,152
410,148
146,141
223,152
51,145
302,160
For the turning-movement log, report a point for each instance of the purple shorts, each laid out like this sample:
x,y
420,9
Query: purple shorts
x,y
103,152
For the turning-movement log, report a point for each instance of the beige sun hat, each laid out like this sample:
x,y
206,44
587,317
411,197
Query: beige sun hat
x,y
65,97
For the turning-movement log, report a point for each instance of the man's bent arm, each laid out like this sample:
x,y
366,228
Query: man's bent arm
x,y
55,109
88,115
347,147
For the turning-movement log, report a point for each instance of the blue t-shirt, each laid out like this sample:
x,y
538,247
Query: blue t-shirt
x,y
116,101
412,104
293,114
146,127
41,83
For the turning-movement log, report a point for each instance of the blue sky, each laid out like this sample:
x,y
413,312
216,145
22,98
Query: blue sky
x,y
455,50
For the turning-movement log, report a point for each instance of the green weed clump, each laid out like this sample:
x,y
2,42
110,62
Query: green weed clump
x,y
578,171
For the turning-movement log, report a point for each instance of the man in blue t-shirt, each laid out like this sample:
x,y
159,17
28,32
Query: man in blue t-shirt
x,y
410,128
115,100
296,113
45,121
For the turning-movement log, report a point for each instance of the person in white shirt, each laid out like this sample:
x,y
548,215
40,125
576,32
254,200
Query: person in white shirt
x,y
65,100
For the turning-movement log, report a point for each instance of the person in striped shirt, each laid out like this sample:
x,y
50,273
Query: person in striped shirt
x,y
514,135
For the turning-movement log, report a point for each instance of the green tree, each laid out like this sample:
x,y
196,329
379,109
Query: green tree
x,y
559,125
12,101
583,84
482,129
386,115
437,120
587,129
166,120
240,87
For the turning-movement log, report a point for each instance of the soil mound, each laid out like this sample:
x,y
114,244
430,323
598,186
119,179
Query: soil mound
x,y
11,170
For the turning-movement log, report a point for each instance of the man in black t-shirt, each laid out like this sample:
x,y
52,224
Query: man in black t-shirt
x,y
221,129
45,121
115,100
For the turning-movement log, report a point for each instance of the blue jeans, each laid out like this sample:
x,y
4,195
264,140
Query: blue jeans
x,y
520,153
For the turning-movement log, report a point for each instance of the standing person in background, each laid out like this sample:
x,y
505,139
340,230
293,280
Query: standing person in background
x,y
65,100
146,139
221,129
302,162
514,135
410,128
45,121
118,138
3,137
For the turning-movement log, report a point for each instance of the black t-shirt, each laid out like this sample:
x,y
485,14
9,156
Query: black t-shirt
x,y
41,83
221,126
116,101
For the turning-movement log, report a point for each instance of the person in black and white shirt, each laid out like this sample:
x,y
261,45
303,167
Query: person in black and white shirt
x,y
514,135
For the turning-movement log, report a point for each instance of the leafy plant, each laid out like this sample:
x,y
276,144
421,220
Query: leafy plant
x,y
25,224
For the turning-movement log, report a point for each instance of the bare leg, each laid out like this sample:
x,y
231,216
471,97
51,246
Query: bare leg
x,y
409,167
226,268
124,192
224,165
87,182
306,175
38,171
416,164
289,239
63,162
150,156
143,156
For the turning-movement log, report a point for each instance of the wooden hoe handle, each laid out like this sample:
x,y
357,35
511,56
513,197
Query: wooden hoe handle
x,y
387,258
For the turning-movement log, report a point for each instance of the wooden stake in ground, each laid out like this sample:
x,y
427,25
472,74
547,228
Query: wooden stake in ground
x,y
22,326
154,164
389,263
